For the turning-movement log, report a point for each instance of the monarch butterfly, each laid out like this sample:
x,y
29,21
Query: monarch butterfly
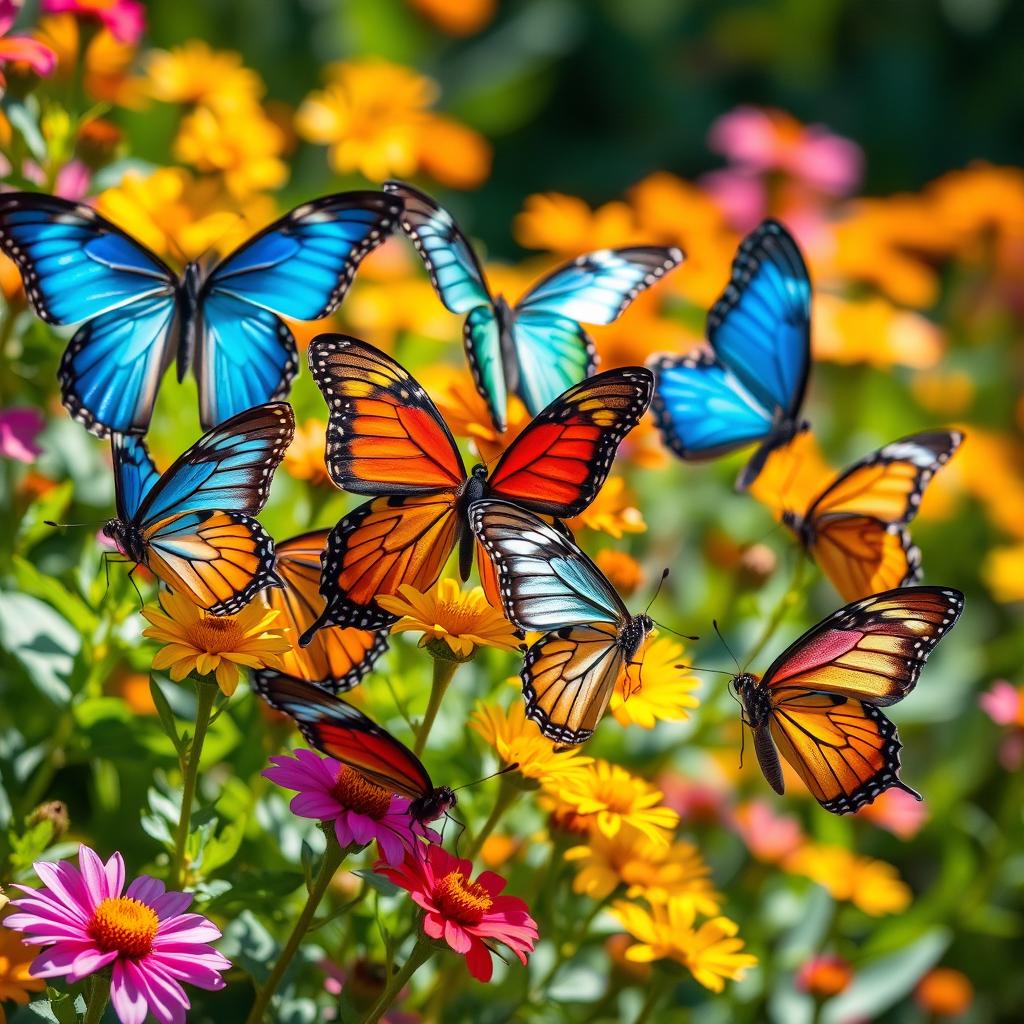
x,y
386,438
749,387
537,348
590,641
193,525
337,658
224,323
336,728
819,701
855,529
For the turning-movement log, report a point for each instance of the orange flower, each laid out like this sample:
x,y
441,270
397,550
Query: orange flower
x,y
568,226
304,458
623,571
824,976
872,885
611,512
944,992
194,73
453,154
457,17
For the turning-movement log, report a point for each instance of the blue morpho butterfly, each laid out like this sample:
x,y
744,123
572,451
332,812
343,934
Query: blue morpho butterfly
x,y
192,527
750,386
223,322
536,349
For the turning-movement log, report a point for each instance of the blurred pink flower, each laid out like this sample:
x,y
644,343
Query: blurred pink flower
x,y
19,428
126,19
898,812
144,937
741,193
768,836
694,801
22,49
72,179
1002,703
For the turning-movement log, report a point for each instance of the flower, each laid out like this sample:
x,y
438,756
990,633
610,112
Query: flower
x,y
1003,572
362,811
944,992
872,885
194,73
769,837
36,55
457,17
304,458
453,153
896,811
463,620
16,980
566,225
824,976
611,512
203,643
517,740
125,19
144,936
624,572
658,692
469,915
19,428
1003,703
617,799
711,952
793,476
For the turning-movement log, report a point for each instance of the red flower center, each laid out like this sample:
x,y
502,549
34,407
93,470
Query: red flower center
x,y
123,924
356,793
461,900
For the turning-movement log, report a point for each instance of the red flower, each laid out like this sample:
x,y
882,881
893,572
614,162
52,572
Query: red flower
x,y
468,915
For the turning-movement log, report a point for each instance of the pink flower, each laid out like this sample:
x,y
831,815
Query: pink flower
x,y
769,836
361,810
72,179
1003,704
468,915
19,429
144,936
126,19
22,49
741,194
898,812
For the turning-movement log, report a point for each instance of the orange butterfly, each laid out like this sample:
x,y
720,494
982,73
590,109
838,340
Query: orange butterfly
x,y
818,702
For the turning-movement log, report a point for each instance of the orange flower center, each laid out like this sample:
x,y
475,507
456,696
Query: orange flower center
x,y
618,798
358,794
215,634
570,821
462,900
125,925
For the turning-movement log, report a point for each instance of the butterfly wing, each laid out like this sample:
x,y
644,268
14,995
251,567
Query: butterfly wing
x,y
862,556
230,467
482,339
385,436
134,474
336,658
559,462
339,730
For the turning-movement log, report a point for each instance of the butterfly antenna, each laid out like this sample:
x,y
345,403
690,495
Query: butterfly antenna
x,y
508,768
657,589
68,526
674,632
743,741
695,668
726,646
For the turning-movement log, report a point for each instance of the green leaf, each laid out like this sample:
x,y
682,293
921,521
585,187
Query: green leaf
x,y
42,641
378,882
53,506
165,714
30,845
49,589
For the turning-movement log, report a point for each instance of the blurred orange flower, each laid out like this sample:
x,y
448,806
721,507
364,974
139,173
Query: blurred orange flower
x,y
563,224
824,976
304,458
871,885
944,992
453,154
623,571
457,17
195,73
613,511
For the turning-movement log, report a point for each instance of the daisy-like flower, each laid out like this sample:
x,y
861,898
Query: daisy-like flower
x,y
124,19
615,799
194,73
469,915
143,936
517,740
197,641
872,885
711,951
39,57
362,811
613,511
660,691
463,620
16,981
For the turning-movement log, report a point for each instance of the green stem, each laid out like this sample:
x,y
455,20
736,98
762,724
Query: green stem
x,y
508,793
97,995
420,954
787,601
654,994
206,692
333,856
444,671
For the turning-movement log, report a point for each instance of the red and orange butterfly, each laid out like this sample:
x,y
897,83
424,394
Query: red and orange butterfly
x,y
386,438
337,658
339,730
818,702
856,527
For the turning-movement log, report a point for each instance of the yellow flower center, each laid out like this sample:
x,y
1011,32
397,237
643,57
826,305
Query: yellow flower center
x,y
457,617
460,899
125,925
215,634
618,798
358,794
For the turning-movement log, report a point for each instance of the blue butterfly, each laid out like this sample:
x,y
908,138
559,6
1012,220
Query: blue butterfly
x,y
591,643
193,526
750,387
536,349
223,322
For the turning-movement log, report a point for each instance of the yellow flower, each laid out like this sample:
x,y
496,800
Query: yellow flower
x,y
622,569
711,952
611,512
793,476
944,392
242,144
384,309
568,226
457,17
652,871
304,458
15,959
616,799
872,885
1003,573
193,73
517,740
661,691
453,154
203,643
462,619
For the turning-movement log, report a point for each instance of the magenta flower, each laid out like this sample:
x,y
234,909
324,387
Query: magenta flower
x,y
19,429
22,49
361,810
144,935
468,915
126,19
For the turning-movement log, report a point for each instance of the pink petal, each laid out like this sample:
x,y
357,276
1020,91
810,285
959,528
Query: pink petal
x,y
128,1001
478,960
315,804
58,961
457,937
433,925
199,969
188,928
88,962
391,847
146,889
8,15
492,882
363,828
67,886
166,998
24,50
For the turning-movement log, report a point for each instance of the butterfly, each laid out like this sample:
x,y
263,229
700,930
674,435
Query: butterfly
x,y
386,438
193,526
536,349
341,731
749,386
224,322
336,658
818,702
856,528
590,641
